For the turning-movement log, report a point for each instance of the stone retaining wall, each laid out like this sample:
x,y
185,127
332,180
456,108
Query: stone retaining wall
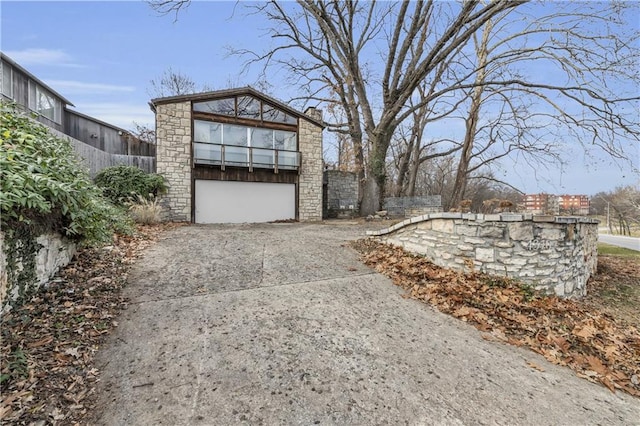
x,y
412,206
53,252
552,253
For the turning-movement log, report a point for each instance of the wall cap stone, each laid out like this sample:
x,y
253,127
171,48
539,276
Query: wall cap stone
x,y
503,217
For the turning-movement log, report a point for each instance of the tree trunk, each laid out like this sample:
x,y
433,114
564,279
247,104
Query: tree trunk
x,y
460,184
413,170
376,172
370,198
403,168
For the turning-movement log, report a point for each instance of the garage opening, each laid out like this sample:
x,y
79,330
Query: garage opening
x,y
243,202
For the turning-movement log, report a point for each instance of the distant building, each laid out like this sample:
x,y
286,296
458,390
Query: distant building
x,y
573,204
541,203
97,143
556,204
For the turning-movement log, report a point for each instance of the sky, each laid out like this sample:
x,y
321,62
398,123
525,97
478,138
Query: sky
x,y
102,57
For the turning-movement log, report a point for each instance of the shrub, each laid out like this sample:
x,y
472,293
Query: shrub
x,y
44,187
122,184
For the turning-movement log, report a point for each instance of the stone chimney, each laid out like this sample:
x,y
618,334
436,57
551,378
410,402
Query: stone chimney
x,y
314,113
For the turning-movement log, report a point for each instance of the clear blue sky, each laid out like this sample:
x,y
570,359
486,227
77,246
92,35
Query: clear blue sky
x,y
102,56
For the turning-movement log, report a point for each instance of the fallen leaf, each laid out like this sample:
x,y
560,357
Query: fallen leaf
x,y
535,366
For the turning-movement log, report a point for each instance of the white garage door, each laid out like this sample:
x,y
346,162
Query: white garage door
x,y
240,202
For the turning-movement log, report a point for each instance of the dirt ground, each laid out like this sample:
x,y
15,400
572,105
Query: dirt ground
x,y
616,287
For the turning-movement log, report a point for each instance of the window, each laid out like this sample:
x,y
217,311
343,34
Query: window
x,y
270,113
235,135
7,83
248,107
285,140
243,145
219,106
245,107
209,132
45,104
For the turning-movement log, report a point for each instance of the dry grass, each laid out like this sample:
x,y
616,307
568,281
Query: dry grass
x,y
145,212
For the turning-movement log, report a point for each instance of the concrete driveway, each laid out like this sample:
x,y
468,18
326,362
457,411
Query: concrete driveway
x,y
281,324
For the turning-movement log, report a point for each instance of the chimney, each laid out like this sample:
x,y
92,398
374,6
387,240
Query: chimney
x,y
314,113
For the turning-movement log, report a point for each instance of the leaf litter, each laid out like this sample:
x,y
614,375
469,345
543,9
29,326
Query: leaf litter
x,y
571,333
48,344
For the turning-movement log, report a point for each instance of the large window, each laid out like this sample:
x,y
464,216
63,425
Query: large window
x,y
244,146
245,107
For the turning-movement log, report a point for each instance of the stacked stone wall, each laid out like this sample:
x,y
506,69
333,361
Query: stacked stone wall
x,y
553,254
52,253
412,206
173,161
341,198
310,183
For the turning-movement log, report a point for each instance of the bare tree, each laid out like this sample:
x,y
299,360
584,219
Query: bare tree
x,y
336,37
533,117
144,133
172,83
622,207
371,57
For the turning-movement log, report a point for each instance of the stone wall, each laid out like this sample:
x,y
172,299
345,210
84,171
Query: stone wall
x,y
341,194
412,206
53,252
310,183
173,159
553,254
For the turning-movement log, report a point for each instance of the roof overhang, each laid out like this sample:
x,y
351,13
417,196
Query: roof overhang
x,y
34,78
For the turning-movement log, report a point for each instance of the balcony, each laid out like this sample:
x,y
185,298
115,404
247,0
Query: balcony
x,y
244,156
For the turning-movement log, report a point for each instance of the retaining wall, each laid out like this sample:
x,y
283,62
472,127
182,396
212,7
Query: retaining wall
x,y
412,206
552,253
52,251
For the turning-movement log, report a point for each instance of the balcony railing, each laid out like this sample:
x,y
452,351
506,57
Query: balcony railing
x,y
244,156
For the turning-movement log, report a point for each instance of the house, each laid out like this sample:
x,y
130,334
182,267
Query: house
x,y
238,155
97,143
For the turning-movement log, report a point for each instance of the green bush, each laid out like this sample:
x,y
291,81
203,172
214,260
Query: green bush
x,y
44,187
122,184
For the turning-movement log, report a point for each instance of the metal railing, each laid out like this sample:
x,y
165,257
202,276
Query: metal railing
x,y
245,156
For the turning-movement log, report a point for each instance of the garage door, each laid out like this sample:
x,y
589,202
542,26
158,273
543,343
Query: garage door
x,y
240,202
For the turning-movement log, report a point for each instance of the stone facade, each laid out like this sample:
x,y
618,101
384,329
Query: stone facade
x,y
173,158
341,194
553,254
310,183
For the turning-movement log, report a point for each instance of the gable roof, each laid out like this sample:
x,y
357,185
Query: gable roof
x,y
240,91
15,65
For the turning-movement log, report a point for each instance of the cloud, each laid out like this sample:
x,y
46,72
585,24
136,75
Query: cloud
x,y
36,56
119,114
81,88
